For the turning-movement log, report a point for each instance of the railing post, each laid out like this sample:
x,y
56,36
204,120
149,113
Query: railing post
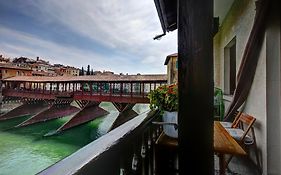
x,y
110,88
91,88
131,89
82,84
121,89
143,89
73,87
1,98
58,86
51,84
99,85
44,85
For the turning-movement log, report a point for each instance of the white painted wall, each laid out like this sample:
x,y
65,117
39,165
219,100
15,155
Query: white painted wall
x,y
273,73
238,23
264,100
256,106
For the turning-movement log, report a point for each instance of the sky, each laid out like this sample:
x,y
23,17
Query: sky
x,y
115,35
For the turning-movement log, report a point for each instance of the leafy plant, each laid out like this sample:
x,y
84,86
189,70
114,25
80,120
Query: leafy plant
x,y
164,98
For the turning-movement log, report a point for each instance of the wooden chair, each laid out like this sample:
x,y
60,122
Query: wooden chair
x,y
231,124
242,131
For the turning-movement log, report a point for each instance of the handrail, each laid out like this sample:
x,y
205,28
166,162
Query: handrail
x,y
114,152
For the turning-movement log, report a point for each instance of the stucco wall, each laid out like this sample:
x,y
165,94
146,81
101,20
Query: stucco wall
x,y
172,71
238,23
6,73
273,100
264,99
256,106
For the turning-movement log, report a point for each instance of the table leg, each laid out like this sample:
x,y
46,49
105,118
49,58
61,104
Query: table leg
x,y
222,164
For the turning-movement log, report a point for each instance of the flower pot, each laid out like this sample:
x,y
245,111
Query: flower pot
x,y
170,129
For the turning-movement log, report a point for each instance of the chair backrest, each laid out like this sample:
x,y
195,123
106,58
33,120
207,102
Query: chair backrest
x,y
244,120
237,115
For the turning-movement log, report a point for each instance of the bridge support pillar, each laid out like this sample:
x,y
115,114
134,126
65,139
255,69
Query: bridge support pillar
x,y
126,114
90,112
121,107
82,103
24,110
53,112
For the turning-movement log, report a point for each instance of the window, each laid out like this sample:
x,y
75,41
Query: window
x,y
230,67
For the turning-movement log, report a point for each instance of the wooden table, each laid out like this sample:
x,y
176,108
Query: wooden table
x,y
166,155
225,144
166,140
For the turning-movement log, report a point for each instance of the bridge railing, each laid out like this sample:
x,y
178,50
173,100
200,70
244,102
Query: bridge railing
x,y
128,149
37,91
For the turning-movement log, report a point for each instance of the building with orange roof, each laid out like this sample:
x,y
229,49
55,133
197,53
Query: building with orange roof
x,y
9,70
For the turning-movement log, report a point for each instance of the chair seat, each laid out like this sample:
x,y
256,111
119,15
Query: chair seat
x,y
226,124
237,133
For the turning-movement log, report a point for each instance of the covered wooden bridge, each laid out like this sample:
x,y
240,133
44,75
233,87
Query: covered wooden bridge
x,y
46,98
111,88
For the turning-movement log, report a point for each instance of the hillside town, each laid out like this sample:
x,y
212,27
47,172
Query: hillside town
x,y
23,66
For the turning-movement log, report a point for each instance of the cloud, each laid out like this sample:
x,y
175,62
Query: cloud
x,y
127,27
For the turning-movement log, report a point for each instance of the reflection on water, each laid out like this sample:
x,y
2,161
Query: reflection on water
x,y
25,151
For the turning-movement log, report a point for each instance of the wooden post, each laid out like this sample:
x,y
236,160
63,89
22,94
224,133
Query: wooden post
x,y
51,87
100,87
195,60
82,84
1,98
131,89
44,85
58,86
121,89
143,89
110,88
91,88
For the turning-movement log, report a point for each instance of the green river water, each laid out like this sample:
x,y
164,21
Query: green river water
x,y
25,151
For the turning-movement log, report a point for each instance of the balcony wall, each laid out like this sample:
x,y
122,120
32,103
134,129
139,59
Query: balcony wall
x,y
127,149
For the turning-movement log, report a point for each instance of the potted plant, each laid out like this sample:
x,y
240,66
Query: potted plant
x,y
165,99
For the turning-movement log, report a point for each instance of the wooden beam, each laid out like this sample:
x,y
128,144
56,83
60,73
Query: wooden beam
x,y
195,58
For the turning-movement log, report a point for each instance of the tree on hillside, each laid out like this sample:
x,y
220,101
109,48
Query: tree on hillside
x,y
88,70
92,72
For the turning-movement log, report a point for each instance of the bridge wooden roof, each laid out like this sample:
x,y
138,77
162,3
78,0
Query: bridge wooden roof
x,y
100,78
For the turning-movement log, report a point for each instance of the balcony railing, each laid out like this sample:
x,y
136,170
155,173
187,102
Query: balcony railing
x,y
128,149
